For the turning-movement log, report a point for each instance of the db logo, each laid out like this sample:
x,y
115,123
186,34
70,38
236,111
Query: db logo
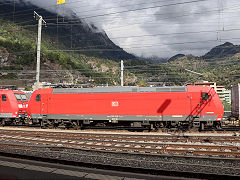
x,y
115,104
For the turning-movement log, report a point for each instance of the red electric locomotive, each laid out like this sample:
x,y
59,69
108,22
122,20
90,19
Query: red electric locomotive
x,y
13,106
148,107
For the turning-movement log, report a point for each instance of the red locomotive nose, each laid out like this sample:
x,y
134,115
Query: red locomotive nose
x,y
22,107
22,103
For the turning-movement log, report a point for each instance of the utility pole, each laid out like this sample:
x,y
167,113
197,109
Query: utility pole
x,y
40,22
122,73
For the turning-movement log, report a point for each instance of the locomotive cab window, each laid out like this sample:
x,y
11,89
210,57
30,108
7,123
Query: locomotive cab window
x,y
4,97
20,97
205,96
38,97
24,97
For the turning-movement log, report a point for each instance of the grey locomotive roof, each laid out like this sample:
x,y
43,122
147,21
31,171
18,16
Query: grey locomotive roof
x,y
120,89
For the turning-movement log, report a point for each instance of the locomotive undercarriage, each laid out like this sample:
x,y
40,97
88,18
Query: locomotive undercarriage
x,y
59,123
186,125
12,121
138,125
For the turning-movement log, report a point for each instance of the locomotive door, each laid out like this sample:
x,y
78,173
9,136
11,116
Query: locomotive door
x,y
44,104
3,103
194,105
3,106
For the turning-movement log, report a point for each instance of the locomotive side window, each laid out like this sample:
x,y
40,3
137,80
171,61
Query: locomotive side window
x,y
4,97
205,96
38,97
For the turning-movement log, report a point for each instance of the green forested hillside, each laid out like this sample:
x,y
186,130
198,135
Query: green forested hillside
x,y
225,70
18,55
66,55
67,32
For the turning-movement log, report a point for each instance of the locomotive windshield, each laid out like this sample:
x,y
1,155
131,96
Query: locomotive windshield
x,y
20,97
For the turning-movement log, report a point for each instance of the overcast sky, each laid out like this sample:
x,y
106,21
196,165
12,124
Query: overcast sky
x,y
160,28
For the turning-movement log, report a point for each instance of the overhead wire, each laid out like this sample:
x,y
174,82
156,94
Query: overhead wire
x,y
132,24
72,2
135,47
31,21
142,46
139,9
57,22
192,42
71,35
184,2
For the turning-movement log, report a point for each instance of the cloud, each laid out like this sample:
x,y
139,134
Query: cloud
x,y
199,24
186,27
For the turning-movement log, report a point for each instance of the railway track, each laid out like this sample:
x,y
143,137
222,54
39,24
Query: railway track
x,y
221,146
199,154
132,165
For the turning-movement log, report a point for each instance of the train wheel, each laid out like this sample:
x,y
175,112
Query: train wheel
x,y
50,125
75,125
151,128
202,126
218,125
43,124
2,122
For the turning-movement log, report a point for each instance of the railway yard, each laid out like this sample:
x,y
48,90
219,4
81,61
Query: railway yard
x,y
186,135
197,154
116,98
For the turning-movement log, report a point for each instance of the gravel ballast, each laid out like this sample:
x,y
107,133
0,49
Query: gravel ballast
x,y
212,165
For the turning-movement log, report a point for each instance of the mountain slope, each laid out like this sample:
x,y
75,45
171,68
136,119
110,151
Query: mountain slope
x,y
221,64
71,50
70,33
222,51
18,61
